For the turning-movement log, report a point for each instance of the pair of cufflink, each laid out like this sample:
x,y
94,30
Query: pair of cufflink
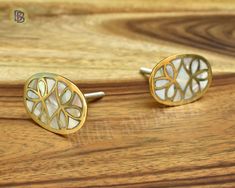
x,y
56,104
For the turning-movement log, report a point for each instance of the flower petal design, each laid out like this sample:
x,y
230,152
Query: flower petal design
x,y
32,94
162,83
185,79
195,86
55,103
194,66
42,87
171,91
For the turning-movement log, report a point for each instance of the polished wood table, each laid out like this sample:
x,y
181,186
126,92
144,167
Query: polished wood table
x,y
128,140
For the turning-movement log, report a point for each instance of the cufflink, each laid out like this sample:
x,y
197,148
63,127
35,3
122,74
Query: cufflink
x,y
179,79
55,103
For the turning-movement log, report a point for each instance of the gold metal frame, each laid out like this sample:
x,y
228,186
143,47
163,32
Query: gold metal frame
x,y
42,98
167,61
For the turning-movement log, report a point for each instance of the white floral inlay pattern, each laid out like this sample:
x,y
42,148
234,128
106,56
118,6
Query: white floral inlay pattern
x,y
54,103
181,79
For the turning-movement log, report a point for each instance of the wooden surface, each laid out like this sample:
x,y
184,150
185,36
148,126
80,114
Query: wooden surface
x,y
128,140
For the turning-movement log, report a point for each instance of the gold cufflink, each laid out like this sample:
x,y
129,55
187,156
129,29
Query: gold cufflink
x,y
179,79
55,103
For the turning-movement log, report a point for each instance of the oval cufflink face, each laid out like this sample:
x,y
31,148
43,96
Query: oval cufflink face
x,y
180,79
55,103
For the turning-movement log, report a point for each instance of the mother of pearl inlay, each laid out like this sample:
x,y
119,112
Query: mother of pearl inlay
x,y
180,79
55,103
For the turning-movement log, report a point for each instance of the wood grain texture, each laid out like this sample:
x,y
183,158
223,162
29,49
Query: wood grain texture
x,y
128,139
